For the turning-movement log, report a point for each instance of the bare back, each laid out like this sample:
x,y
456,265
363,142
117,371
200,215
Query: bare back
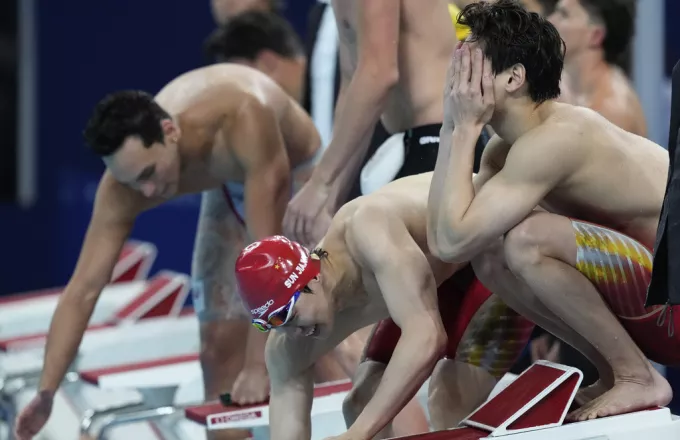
x,y
611,177
207,99
402,202
426,40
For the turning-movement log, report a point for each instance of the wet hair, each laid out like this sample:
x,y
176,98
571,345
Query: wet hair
x,y
618,18
320,253
509,35
246,35
123,114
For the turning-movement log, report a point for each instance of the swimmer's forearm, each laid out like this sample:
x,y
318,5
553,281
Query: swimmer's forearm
x,y
266,199
434,201
254,356
290,402
363,103
63,339
403,376
455,179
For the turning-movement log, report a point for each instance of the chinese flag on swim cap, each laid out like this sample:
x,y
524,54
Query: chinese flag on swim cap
x,y
270,271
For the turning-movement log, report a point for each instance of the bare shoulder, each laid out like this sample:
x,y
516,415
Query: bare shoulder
x,y
559,144
376,233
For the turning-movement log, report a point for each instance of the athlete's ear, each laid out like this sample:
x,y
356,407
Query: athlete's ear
x,y
516,78
267,61
169,128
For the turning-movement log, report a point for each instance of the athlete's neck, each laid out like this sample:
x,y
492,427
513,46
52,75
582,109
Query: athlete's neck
x,y
341,280
518,118
585,72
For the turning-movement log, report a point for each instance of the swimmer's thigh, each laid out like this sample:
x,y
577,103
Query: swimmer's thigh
x,y
621,270
220,311
485,338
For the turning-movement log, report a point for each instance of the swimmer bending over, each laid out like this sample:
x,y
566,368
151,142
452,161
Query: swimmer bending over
x,y
227,131
583,171
373,265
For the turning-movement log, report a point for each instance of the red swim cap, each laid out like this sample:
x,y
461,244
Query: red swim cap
x,y
270,271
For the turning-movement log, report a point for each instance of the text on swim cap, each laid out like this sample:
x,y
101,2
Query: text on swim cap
x,y
297,272
262,309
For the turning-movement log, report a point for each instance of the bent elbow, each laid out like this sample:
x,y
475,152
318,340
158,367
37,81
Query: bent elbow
x,y
450,251
433,343
438,345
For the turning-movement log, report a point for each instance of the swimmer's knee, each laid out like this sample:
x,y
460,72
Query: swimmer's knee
x,y
489,264
541,235
523,245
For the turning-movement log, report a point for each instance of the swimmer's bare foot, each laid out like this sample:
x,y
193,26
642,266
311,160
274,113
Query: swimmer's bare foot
x,y
590,393
625,397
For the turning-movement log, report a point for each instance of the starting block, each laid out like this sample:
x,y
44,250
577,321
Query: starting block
x,y
535,404
327,420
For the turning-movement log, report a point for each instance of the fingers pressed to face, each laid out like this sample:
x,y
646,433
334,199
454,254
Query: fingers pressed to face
x,y
477,67
487,79
455,80
465,70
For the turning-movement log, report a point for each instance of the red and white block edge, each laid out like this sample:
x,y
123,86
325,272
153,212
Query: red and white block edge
x,y
215,416
134,264
165,295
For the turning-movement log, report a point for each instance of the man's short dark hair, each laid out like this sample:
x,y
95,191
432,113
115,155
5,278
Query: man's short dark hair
x,y
509,34
123,114
618,18
246,35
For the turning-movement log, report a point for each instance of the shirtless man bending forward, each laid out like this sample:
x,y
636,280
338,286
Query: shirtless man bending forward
x,y
227,131
556,265
374,264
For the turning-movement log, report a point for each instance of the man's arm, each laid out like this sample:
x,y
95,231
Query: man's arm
x,y
256,140
490,164
292,389
363,100
115,210
384,246
468,222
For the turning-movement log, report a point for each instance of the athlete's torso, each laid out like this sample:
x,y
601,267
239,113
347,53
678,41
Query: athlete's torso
x,y
404,199
620,178
205,100
426,41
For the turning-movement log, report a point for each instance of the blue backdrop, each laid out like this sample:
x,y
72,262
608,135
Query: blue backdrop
x,y
88,49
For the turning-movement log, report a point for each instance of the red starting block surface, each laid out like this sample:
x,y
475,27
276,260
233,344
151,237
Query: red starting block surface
x,y
539,398
217,416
